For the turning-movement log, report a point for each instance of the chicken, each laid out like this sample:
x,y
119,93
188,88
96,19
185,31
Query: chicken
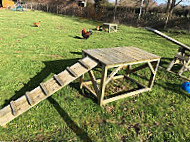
x,y
85,34
37,24
99,28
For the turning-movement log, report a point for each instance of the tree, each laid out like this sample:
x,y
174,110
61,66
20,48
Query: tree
x,y
141,7
171,4
115,10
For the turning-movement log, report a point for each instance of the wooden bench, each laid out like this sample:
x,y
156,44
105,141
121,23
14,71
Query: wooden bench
x,y
111,27
182,57
119,58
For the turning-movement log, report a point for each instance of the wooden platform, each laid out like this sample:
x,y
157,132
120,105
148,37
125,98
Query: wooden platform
x,y
118,58
111,27
182,57
45,90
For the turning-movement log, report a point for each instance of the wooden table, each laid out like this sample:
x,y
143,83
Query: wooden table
x,y
119,58
111,27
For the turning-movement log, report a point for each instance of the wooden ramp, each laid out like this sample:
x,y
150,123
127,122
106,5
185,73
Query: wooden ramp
x,y
46,89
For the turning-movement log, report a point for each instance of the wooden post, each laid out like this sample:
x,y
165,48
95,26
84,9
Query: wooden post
x,y
47,8
82,76
153,75
103,84
128,69
57,9
36,6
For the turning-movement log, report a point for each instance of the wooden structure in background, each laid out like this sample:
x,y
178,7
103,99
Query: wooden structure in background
x,y
118,58
182,57
111,27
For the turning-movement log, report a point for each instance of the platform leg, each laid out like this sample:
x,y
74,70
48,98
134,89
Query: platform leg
x,y
184,68
171,65
81,81
128,69
109,29
102,85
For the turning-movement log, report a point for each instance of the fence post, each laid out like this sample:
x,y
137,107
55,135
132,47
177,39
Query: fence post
x,y
36,6
57,9
47,8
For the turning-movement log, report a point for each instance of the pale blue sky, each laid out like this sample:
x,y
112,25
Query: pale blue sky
x,y
164,1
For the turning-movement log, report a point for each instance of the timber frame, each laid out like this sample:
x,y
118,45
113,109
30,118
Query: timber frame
x,y
99,90
111,27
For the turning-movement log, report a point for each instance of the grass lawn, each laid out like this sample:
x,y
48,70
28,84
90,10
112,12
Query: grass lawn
x,y
30,55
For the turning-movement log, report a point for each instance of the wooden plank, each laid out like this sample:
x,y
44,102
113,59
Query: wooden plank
x,y
81,81
94,82
90,90
151,68
128,53
168,38
103,85
153,76
114,72
139,54
99,80
84,64
106,55
71,72
29,98
58,79
128,69
137,68
13,108
148,54
185,58
37,94
124,55
44,89
125,95
100,57
118,57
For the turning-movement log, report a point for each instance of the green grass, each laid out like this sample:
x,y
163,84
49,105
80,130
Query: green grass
x,y
30,55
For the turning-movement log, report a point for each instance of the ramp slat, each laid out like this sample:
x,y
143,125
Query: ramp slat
x,y
71,72
37,94
44,89
59,81
13,108
84,64
29,99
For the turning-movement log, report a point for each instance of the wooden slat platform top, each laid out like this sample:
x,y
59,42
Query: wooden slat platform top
x,y
120,55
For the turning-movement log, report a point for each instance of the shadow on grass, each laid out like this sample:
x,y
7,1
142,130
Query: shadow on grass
x,y
78,37
165,62
84,92
70,123
77,53
55,67
174,87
